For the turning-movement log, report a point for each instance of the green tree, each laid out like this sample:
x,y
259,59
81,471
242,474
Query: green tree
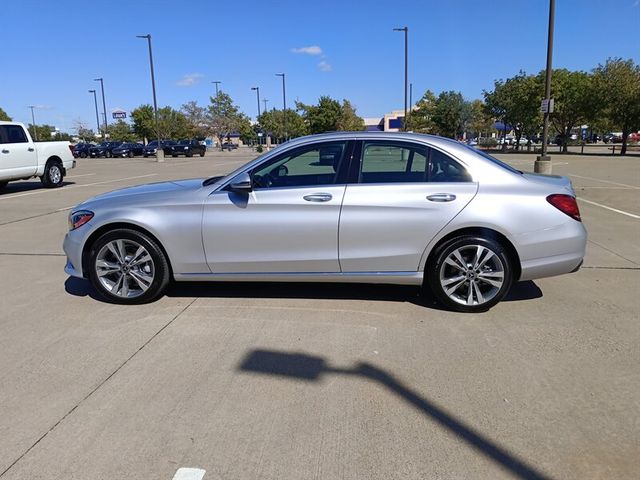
x,y
143,122
223,117
421,118
573,100
329,116
618,85
272,122
516,102
4,116
479,121
195,116
349,121
450,114
120,131
41,132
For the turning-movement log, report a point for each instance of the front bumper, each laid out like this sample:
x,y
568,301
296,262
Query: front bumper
x,y
72,247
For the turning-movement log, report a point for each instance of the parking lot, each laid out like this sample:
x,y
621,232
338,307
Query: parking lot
x,y
312,381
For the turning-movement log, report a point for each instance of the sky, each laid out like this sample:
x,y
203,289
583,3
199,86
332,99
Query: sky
x,y
53,49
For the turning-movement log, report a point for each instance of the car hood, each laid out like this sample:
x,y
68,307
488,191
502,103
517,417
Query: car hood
x,y
148,191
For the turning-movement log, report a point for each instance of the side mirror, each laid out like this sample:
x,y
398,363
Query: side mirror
x,y
241,184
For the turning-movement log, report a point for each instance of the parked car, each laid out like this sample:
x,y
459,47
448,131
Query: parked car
x,y
104,149
188,148
21,158
229,146
394,208
81,150
128,150
152,147
634,137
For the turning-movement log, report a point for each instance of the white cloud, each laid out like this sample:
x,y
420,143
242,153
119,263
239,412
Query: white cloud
x,y
325,66
190,79
311,50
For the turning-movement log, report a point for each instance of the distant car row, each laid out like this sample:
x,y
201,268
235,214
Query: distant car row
x,y
188,148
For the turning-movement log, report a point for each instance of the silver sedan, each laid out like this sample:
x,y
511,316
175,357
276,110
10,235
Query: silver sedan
x,y
342,207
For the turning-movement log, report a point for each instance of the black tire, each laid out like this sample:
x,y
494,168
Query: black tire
x,y
161,271
3,185
189,154
438,271
173,155
202,153
108,154
53,174
130,154
83,155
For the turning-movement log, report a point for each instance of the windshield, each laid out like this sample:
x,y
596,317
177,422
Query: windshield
x,y
184,142
493,159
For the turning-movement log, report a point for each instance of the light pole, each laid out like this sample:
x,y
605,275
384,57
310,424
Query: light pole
x,y
217,82
257,89
406,70
33,122
265,100
159,150
104,105
284,101
543,162
95,102
410,98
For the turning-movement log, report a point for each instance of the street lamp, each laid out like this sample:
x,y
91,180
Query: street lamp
x,y
406,70
95,101
217,82
284,101
104,105
265,100
257,89
543,162
33,122
159,150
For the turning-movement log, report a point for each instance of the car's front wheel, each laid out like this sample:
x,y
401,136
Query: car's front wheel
x,y
470,274
128,267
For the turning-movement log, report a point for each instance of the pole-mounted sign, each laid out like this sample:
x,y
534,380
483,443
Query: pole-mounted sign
x,y
546,106
119,114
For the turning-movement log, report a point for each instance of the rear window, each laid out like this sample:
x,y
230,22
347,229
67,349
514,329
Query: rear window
x,y
494,160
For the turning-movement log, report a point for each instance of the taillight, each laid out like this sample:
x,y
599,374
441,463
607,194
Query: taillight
x,y
566,204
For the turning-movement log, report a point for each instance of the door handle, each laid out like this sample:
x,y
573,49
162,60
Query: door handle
x,y
31,149
4,150
318,197
441,197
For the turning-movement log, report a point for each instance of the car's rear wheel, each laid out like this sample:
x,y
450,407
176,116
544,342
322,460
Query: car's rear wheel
x,y
53,174
470,273
202,153
83,155
128,267
130,154
3,185
108,154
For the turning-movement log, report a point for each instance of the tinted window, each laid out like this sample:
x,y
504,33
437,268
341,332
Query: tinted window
x,y
302,167
392,163
12,134
443,168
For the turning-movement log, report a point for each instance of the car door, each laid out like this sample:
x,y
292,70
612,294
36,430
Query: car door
x,y
401,195
288,223
18,157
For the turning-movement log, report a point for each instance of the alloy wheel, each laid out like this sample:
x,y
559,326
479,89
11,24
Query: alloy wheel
x,y
472,275
124,268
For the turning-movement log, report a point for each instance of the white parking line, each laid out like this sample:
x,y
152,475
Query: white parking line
x,y
605,181
189,474
81,175
622,212
64,189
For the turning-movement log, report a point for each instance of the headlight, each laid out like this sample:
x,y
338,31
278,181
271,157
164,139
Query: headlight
x,y
186,148
79,218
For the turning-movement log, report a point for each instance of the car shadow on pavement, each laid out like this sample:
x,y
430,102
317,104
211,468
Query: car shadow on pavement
x,y
299,366
521,291
20,187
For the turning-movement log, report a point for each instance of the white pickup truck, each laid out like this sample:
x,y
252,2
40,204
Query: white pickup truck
x,y
21,158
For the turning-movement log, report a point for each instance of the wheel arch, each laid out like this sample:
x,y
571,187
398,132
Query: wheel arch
x,y
114,226
482,232
53,159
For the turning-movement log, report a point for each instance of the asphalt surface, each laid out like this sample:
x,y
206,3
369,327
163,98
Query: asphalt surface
x,y
317,381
